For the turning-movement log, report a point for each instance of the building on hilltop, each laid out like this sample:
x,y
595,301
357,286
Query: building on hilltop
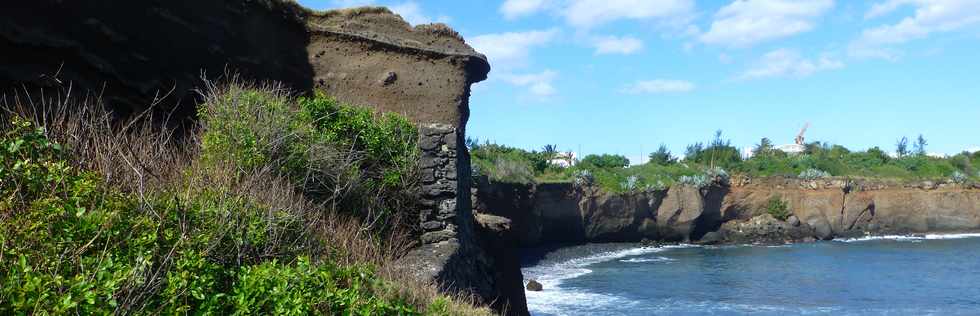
x,y
563,159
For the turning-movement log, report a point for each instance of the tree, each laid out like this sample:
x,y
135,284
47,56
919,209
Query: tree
x,y
693,151
763,148
902,147
662,156
878,156
549,151
605,161
920,145
719,142
719,152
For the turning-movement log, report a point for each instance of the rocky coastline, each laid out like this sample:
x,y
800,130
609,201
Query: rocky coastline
x,y
729,213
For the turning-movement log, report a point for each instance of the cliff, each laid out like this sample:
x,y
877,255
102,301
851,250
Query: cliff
x,y
136,55
823,209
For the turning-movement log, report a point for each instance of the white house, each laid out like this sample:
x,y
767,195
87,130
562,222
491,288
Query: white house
x,y
563,159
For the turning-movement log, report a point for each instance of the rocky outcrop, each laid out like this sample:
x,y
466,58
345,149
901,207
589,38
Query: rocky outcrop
x,y
557,213
762,229
821,209
135,54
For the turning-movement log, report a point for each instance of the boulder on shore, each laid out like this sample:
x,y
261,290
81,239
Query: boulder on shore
x,y
534,286
763,229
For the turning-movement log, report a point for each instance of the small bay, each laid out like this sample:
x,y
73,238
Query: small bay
x,y
890,275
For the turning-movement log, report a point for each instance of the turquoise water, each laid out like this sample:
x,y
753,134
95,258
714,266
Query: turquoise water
x,y
925,275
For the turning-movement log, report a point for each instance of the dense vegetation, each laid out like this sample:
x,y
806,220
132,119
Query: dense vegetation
x,y
717,159
275,205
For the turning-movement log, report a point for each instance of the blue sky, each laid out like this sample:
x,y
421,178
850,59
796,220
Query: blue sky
x,y
623,76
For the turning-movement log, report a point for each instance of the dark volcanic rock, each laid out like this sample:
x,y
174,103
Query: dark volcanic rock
x,y
793,220
533,285
763,229
499,244
712,238
679,212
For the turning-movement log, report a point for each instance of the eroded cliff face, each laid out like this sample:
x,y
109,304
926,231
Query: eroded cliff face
x,y
136,53
133,53
563,213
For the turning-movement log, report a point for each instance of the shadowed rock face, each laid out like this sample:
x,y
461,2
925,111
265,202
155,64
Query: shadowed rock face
x,y
564,214
133,52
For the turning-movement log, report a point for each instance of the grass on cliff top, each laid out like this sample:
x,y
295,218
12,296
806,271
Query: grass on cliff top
x,y
704,160
274,205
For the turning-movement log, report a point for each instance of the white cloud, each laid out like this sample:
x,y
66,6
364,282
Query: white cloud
x,y
512,9
617,45
789,63
746,22
659,86
509,50
412,13
931,16
538,84
589,13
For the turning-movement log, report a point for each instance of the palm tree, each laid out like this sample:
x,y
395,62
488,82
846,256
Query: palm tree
x,y
549,151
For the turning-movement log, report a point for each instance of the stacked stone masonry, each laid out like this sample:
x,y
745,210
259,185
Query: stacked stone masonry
x,y
439,183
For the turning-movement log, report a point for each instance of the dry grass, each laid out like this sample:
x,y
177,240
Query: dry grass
x,y
143,157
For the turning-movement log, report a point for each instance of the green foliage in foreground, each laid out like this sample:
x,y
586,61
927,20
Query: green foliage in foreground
x,y
818,161
71,245
363,162
254,127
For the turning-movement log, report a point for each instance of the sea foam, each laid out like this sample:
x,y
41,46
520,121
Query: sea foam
x,y
555,299
912,238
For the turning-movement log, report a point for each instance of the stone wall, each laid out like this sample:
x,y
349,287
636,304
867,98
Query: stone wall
x,y
439,215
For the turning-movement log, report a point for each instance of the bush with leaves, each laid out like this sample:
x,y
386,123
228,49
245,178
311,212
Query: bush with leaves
x,y
341,155
71,245
813,174
662,156
697,180
630,184
958,177
605,161
778,208
508,164
583,178
230,229
718,175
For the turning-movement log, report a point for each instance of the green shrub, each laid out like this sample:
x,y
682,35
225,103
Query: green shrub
x,y
583,178
605,161
697,180
662,156
958,177
630,184
813,174
508,164
358,161
68,245
778,208
71,245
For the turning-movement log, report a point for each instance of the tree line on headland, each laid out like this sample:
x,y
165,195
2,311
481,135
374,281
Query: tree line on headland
x,y
704,161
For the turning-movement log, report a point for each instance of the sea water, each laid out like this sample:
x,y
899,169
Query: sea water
x,y
889,275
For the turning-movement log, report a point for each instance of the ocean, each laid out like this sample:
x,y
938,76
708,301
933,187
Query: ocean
x,y
889,275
